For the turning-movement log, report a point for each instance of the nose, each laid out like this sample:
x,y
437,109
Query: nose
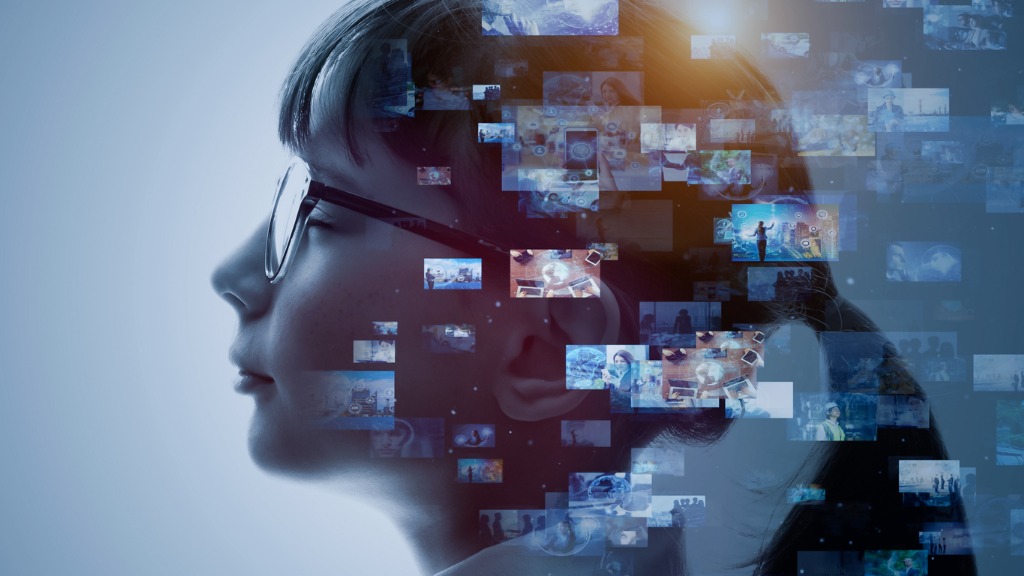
x,y
241,279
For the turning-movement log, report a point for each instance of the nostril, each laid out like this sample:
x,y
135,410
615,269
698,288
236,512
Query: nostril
x,y
234,301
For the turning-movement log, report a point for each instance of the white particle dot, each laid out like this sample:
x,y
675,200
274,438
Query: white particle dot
x,y
849,281
453,412
497,303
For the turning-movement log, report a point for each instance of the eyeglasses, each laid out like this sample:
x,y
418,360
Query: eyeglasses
x,y
298,194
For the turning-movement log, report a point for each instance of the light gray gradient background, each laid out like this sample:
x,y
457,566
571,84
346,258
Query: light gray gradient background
x,y
138,148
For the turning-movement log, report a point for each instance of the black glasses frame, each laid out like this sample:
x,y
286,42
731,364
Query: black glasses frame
x,y
316,191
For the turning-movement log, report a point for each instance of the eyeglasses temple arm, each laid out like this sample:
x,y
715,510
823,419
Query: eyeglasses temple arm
x,y
429,229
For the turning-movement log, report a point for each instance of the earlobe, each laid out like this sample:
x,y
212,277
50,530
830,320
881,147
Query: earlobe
x,y
530,381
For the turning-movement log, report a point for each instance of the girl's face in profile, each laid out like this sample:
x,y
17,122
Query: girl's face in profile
x,y
348,272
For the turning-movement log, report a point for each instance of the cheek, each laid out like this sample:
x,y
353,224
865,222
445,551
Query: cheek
x,y
335,290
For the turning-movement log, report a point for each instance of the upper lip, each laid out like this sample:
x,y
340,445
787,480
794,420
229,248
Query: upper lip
x,y
247,367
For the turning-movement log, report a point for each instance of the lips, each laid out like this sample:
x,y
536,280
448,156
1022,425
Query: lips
x,y
251,382
252,375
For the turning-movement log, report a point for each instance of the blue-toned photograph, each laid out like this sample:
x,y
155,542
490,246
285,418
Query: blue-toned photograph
x,y
676,323
449,338
929,482
452,274
828,417
496,133
930,356
354,400
679,511
981,25
908,110
480,471
610,494
785,232
550,17
1009,432
410,438
998,372
900,562
785,44
473,435
922,262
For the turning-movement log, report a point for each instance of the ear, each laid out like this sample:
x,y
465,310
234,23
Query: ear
x,y
530,378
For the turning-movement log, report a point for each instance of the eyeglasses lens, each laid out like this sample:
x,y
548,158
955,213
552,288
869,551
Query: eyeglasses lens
x,y
290,194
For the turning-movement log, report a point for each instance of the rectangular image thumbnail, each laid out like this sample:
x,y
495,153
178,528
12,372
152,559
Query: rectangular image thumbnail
x,y
998,372
449,338
539,273
373,351
785,232
410,438
352,399
452,273
480,471
785,44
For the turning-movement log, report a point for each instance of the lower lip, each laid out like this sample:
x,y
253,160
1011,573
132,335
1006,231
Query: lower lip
x,y
251,383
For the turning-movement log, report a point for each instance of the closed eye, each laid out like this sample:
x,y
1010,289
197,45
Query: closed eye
x,y
320,219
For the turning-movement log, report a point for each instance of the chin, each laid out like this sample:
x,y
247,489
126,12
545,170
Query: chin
x,y
295,450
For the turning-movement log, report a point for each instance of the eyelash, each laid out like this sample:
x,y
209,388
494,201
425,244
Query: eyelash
x,y
318,219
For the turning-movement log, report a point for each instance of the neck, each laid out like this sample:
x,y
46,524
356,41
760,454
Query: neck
x,y
417,497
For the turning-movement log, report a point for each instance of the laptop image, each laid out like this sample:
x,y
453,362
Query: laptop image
x,y
679,390
529,288
594,257
734,388
584,287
